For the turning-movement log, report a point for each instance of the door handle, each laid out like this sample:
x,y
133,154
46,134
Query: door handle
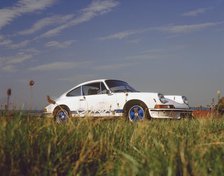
x,y
82,99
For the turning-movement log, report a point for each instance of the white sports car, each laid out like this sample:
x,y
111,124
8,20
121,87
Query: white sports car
x,y
108,97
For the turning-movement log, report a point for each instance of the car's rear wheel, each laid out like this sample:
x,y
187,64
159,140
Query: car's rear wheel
x,y
61,115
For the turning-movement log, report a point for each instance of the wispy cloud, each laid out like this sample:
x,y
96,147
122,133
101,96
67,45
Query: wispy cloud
x,y
122,35
45,22
9,63
196,12
187,28
8,43
58,44
59,65
19,59
96,8
174,29
156,53
54,66
4,41
9,68
21,7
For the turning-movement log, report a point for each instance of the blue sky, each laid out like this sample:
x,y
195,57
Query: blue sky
x,y
172,47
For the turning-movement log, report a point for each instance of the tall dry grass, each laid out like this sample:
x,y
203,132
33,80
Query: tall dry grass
x,y
37,146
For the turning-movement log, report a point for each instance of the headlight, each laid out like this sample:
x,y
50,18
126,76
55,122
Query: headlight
x,y
162,98
185,100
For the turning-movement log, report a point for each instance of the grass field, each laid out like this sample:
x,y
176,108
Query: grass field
x,y
39,146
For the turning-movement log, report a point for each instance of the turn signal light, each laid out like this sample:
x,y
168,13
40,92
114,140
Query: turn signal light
x,y
164,106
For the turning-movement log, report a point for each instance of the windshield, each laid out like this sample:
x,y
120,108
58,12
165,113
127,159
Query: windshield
x,y
119,86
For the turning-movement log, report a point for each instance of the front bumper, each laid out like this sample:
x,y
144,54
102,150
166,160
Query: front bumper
x,y
170,113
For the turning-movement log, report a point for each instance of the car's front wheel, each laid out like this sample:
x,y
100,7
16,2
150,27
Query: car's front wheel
x,y
137,112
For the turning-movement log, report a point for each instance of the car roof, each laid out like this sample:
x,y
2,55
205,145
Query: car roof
x,y
92,81
96,80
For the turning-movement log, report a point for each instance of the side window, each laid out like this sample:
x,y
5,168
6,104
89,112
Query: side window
x,y
91,89
103,88
74,92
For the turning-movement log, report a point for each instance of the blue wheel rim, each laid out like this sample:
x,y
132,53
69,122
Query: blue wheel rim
x,y
62,116
136,113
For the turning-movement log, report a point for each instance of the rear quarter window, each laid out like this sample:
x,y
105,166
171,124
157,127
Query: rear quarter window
x,y
74,92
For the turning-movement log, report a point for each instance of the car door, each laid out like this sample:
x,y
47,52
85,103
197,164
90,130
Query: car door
x,y
98,102
76,101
